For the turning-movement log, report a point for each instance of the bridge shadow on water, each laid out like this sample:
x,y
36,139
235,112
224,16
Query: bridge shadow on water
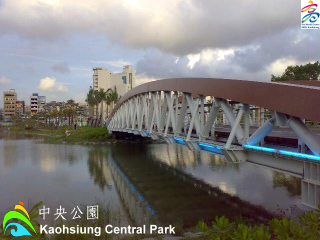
x,y
154,192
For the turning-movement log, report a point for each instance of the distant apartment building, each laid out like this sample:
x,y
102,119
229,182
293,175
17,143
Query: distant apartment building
x,y
20,108
105,79
9,103
36,103
41,103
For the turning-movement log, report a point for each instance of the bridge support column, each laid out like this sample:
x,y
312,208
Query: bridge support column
x,y
301,146
310,186
304,133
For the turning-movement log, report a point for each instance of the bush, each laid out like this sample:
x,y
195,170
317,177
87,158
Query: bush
x,y
307,227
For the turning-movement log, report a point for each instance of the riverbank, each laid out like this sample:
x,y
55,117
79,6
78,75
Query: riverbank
x,y
67,134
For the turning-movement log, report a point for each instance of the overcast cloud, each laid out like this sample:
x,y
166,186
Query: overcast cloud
x,y
179,27
162,39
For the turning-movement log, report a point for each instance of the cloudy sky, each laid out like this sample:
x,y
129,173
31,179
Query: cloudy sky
x,y
51,46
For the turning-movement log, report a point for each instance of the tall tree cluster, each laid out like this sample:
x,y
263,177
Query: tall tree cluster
x,y
97,98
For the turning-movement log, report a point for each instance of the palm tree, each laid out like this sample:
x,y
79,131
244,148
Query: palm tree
x,y
55,114
114,96
64,113
47,116
59,116
91,101
105,95
108,102
69,113
100,97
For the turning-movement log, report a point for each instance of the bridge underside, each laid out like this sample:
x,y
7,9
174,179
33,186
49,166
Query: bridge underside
x,y
185,119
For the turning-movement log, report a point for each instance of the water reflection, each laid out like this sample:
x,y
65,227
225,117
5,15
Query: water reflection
x,y
135,204
249,182
173,194
292,184
180,157
98,167
176,183
65,175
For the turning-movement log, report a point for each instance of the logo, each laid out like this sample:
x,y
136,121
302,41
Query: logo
x,y
21,230
309,15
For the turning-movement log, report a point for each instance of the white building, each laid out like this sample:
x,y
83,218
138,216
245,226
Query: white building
x,y
36,103
105,79
124,81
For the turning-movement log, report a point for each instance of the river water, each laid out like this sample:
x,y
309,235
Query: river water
x,y
144,183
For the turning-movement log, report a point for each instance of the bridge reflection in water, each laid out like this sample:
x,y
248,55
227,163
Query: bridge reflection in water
x,y
154,192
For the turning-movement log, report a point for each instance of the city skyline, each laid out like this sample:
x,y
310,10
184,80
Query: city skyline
x,y
54,53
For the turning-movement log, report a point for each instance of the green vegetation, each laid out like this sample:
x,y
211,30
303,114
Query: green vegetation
x,y
58,135
310,71
81,135
307,226
95,98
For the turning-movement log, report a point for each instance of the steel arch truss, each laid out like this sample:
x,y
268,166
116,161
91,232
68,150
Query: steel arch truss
x,y
178,117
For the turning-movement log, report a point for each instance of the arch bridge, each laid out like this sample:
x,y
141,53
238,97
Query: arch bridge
x,y
186,111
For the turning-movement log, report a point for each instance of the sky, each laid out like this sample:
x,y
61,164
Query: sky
x,y
51,46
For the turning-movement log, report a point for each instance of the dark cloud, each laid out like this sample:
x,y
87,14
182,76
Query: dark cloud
x,y
298,45
61,68
159,65
252,62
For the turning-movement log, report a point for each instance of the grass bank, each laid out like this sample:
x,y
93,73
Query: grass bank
x,y
81,135
58,134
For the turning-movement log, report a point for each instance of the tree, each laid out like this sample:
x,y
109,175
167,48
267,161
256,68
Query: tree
x,y
105,95
91,100
108,102
310,71
64,113
114,97
99,96
55,114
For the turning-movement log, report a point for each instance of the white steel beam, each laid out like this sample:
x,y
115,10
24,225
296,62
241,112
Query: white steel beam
x,y
303,132
171,115
193,119
234,129
262,131
231,119
192,107
211,119
182,114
